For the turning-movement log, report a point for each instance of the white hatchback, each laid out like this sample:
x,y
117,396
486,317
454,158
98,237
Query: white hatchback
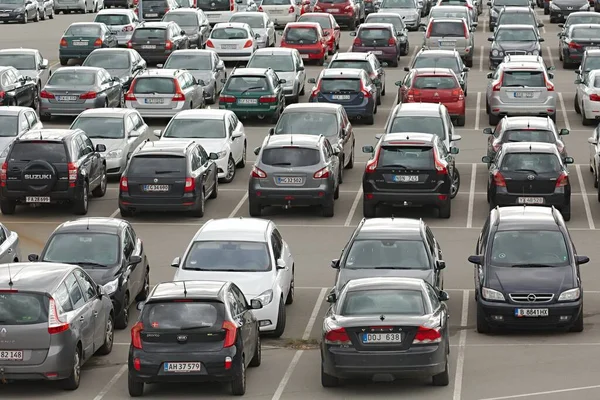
x,y
252,254
233,41
121,22
281,12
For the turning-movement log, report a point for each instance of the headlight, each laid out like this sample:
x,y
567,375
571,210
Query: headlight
x,y
111,287
570,295
265,297
222,153
554,6
491,294
536,53
20,10
495,53
114,154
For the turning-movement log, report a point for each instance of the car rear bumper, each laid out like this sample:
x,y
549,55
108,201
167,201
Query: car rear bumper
x,y
343,19
572,56
241,56
512,199
366,108
244,111
186,202
456,109
282,19
57,365
156,112
503,314
591,108
55,197
382,53
405,199
290,197
75,53
526,108
69,109
560,15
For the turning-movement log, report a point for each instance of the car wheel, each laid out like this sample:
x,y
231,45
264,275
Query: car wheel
x,y
36,18
230,174
255,209
443,378
108,337
301,93
281,321
8,206
455,183
351,161
369,210
238,384
460,121
445,210
328,208
35,103
198,212
213,98
566,211
143,295
122,319
51,16
257,359
493,119
125,212
242,162
100,190
596,177
341,173
482,324
215,192
328,380
336,194
72,382
576,105
578,324
290,297
63,61
43,15
82,203
136,388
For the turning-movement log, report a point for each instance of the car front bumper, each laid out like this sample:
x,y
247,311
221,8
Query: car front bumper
x,y
267,316
12,16
115,166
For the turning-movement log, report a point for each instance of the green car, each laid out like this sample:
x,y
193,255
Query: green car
x,y
253,92
81,38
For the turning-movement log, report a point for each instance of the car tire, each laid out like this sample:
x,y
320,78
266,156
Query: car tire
x,y
369,210
546,12
578,324
443,378
135,387
51,16
215,192
43,15
63,61
370,120
290,297
327,380
198,211
230,171
482,324
143,294
301,93
122,320
238,384
254,209
257,358
242,162
72,382
37,16
469,62
596,177
328,208
8,206
566,211
460,121
566,64
281,320
351,162
445,210
352,25
394,63
584,120
108,338
379,99
83,201
493,119
456,183
336,194
125,212
576,105
100,190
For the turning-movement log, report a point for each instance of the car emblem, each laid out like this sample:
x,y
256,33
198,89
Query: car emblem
x,y
3,332
436,94
569,8
382,317
531,297
531,177
155,180
148,42
182,338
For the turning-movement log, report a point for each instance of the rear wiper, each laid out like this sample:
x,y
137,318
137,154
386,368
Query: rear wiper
x,y
530,265
89,264
526,170
395,165
281,163
252,88
392,268
153,37
166,172
188,328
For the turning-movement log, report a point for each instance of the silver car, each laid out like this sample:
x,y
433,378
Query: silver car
x,y
54,319
163,93
520,88
449,34
281,12
124,64
441,12
193,22
121,23
204,65
15,121
261,24
72,90
409,10
121,130
9,248
81,6
288,65
29,62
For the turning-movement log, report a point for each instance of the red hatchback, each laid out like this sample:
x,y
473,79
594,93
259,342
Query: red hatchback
x,y
330,28
434,85
345,12
308,38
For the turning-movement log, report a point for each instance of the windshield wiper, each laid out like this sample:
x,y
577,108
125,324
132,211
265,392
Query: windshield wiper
x,y
532,265
89,264
105,137
251,88
281,163
166,172
526,170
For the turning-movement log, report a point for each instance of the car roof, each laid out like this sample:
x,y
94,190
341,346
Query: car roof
x,y
352,55
336,72
384,283
249,71
382,25
154,24
528,122
433,71
329,108
158,147
316,14
113,50
572,27
209,290
47,134
98,24
526,147
77,69
437,52
443,19
33,276
524,58
13,110
93,224
581,13
275,50
384,14
512,64
451,8
194,51
106,112
115,11
290,25
517,26
592,52
516,9
19,50
390,228
409,137
522,217
417,109
205,113
293,140
240,229
183,10
242,25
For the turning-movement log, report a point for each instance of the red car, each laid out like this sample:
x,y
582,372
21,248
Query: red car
x,y
305,7
345,12
330,28
434,85
308,38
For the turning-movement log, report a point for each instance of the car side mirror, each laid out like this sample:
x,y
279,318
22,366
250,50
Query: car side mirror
x,y
140,305
157,133
540,25
135,260
100,148
454,150
100,290
44,64
550,75
486,159
490,39
591,140
311,80
335,264
256,151
580,260
200,82
552,68
561,25
236,134
336,152
33,257
301,68
255,304
182,32
475,24
271,131
213,156
443,296
541,40
569,160
331,298
563,132
399,33
490,75
441,264
352,33
578,81
476,260
466,69
281,264
257,36
368,149
379,136
398,83
175,263
487,131
327,33
455,138
407,69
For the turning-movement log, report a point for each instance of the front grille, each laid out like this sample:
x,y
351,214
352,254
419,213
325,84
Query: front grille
x,y
515,53
531,297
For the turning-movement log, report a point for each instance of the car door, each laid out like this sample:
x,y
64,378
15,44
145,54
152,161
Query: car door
x,y
332,161
593,149
92,298
95,160
247,321
131,273
32,120
431,246
43,73
17,86
286,256
204,27
83,315
209,169
6,250
236,141
282,277
138,270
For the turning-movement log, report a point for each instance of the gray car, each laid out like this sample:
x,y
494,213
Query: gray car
x,y
29,62
125,64
204,65
261,24
449,34
496,7
14,122
9,247
518,16
193,22
513,40
121,130
288,65
408,10
294,170
72,90
54,319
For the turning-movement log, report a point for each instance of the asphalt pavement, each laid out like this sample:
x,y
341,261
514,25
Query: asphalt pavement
x,y
548,366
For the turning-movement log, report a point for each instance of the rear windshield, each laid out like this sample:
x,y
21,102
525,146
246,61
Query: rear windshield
x,y
354,64
149,33
435,82
228,256
275,2
408,157
508,3
154,86
52,152
523,79
517,18
585,33
291,157
432,125
515,247
194,62
249,83
374,34
305,123
214,5
329,85
155,3
229,33
152,165
397,22
591,63
538,162
592,18
515,35
323,21
83,30
439,12
72,78
255,22
529,135
379,253
81,248
18,61
112,19
279,63
181,315
182,19
107,60
447,29
304,35
388,302
195,129
398,4
23,308
8,125
449,62
100,127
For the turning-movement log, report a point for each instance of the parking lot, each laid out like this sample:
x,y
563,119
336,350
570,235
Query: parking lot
x,y
483,367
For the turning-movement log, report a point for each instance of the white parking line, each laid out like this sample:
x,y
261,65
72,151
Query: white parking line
x,y
564,111
315,313
485,22
111,383
481,58
586,201
471,195
544,30
115,213
460,361
239,205
353,208
550,56
520,396
477,111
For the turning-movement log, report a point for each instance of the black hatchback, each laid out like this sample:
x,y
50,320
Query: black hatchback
x,y
194,331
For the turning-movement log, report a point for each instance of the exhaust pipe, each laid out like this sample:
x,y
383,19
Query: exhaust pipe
x,y
359,117
261,117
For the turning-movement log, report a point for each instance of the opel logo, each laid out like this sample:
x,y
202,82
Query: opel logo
x,y
531,297
3,332
530,177
182,338
155,180
436,95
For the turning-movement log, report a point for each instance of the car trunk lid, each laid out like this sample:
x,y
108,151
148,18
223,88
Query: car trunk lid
x,y
157,176
435,89
291,167
410,166
153,92
344,91
530,173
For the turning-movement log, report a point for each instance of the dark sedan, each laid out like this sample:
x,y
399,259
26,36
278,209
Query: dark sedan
x,y
155,41
513,40
573,44
18,10
17,90
124,64
193,22
560,9
81,38
380,39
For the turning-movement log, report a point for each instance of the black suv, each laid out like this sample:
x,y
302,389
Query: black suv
x,y
527,271
528,173
170,175
410,169
52,166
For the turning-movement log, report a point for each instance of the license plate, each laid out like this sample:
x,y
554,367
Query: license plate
x,y
151,15
156,188
66,98
247,101
291,180
148,46
523,95
229,46
340,96
305,56
214,16
531,312
332,10
80,42
182,367
406,178
530,200
382,338
37,199
275,11
447,43
592,48
4,15
154,101
378,52
11,355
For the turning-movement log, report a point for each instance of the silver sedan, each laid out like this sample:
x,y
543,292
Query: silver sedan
x,y
72,90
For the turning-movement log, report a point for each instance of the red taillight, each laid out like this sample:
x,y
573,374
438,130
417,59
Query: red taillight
x,y
260,9
357,42
428,33
322,173
248,44
458,93
427,336
258,173
231,5
88,95
440,166
413,95
549,85
364,91
98,43
268,99
63,42
372,163
166,10
128,28
574,45
3,174
209,44
499,180
349,9
2,94
137,364
129,96
55,324
594,97
337,336
123,184
391,41
168,45
496,87
291,10
46,95
563,180
136,335
226,99
129,44
190,185
179,96
72,174
230,333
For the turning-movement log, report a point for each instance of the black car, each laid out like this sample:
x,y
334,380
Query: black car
x,y
513,40
573,44
450,59
21,11
527,271
18,90
168,175
560,9
193,22
110,252
155,41
497,5
155,10
409,169
52,166
194,331
528,173
124,64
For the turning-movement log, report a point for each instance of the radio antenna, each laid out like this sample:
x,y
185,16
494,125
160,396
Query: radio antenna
x,y
88,224
10,281
184,289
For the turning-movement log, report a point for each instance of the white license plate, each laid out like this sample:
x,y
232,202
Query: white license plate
x,y
340,96
11,355
530,200
247,101
523,95
305,56
447,43
331,10
151,15
154,101
275,11
182,367
66,98
4,15
382,338
214,16
37,199
406,178
292,180
80,42
156,188
148,46
592,48
378,52
229,46
531,312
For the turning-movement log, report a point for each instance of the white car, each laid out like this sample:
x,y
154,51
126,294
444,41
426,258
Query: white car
x,y
9,246
218,11
233,41
587,97
218,131
121,22
281,12
252,254
261,24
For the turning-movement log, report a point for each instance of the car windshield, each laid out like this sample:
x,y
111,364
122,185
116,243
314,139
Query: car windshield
x,y
591,63
249,83
449,62
195,129
18,61
229,33
72,78
255,21
383,301
142,34
83,247
154,85
432,125
517,18
541,163
307,123
585,33
515,35
279,63
304,35
387,253
406,157
183,19
112,19
523,247
591,18
23,308
397,4
353,64
374,34
334,85
177,315
9,125
52,152
529,135
448,29
290,156
84,30
193,62
107,60
101,127
166,166
227,255
325,22
523,79
436,82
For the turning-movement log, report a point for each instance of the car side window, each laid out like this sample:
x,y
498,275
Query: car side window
x,y
13,76
88,285
128,245
234,305
241,299
2,236
433,297
4,82
430,241
61,296
79,148
231,124
328,149
132,234
31,118
277,246
137,120
196,160
129,125
23,123
203,155
234,121
75,293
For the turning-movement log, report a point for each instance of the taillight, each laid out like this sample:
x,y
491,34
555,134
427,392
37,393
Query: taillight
x,y
349,9
337,336
98,43
563,180
357,42
231,5
594,97
168,45
291,10
364,91
46,95
315,91
268,99
427,336
248,44
260,9
317,9
190,185
440,166
128,28
72,168
129,96
258,173
499,179
63,42
136,335
496,87
549,85
230,333
129,44
179,96
391,41
322,173
413,95
2,94
573,45
88,95
209,44
55,324
458,93
372,163
428,33
166,10
3,174
226,99
123,184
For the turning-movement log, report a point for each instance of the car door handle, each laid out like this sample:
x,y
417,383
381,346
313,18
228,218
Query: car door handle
x,y
82,318
95,313
9,251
